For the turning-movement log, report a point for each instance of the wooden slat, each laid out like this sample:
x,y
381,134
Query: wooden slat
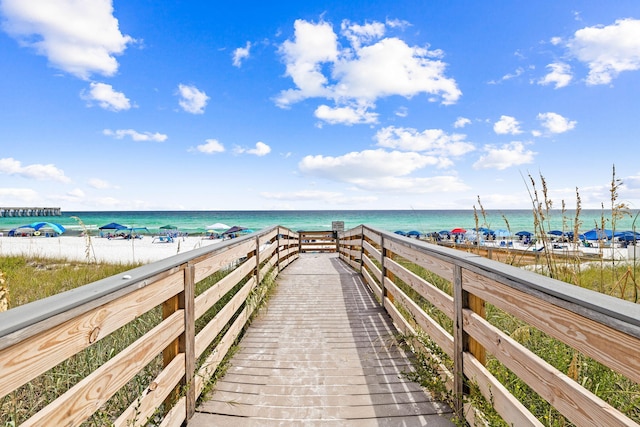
x,y
28,359
176,415
441,300
373,236
147,404
610,347
372,251
213,328
431,263
214,359
210,265
375,271
512,411
436,332
208,298
568,397
323,350
377,291
83,399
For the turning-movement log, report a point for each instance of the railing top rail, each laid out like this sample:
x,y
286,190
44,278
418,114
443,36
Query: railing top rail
x,y
615,312
26,315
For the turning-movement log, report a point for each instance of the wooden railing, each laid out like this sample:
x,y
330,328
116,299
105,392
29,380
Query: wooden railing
x,y
603,328
202,300
317,241
193,332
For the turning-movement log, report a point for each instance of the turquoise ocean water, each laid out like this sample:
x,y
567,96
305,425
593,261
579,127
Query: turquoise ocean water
x,y
423,221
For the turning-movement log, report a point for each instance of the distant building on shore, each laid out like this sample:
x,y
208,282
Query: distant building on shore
x,y
37,211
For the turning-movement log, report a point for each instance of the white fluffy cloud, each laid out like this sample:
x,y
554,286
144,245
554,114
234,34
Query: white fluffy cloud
x,y
380,170
11,166
211,146
135,135
261,149
461,122
555,123
79,37
608,50
240,54
100,184
192,100
365,164
560,75
368,68
106,97
431,141
504,157
507,125
345,115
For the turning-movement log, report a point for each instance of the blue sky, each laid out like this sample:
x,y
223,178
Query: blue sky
x,y
146,105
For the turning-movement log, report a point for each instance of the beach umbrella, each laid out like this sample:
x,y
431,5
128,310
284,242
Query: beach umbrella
x,y
627,236
112,226
400,232
55,227
556,233
598,234
524,234
458,231
414,233
234,229
217,226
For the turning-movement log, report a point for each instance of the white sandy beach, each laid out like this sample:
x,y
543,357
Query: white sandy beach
x,y
143,250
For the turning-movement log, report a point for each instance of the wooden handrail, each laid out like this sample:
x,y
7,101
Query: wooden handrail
x,y
604,328
36,337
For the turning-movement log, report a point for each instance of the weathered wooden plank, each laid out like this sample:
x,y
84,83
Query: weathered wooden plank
x,y
375,271
436,332
83,399
176,415
138,413
610,347
210,265
211,363
431,263
512,411
567,396
213,328
441,300
324,346
372,252
373,236
208,298
28,359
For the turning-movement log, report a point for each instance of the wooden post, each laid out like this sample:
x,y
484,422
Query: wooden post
x,y
460,344
185,343
278,252
383,270
462,341
187,340
361,249
477,305
257,252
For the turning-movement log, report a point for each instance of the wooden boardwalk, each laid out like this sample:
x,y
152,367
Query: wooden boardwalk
x,y
322,353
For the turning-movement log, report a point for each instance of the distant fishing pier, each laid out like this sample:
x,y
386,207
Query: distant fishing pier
x,y
320,328
32,211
